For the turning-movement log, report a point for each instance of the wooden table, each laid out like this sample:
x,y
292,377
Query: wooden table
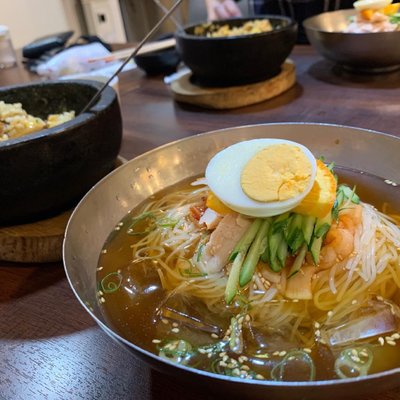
x,y
49,347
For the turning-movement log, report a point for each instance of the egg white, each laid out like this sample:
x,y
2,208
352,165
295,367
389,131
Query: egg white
x,y
224,170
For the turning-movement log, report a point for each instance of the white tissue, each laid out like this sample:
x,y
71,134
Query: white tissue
x,y
75,61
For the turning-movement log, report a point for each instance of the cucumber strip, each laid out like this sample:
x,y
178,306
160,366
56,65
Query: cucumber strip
x,y
282,253
322,226
255,251
308,228
315,249
298,262
281,223
246,240
322,230
293,231
296,241
233,279
274,241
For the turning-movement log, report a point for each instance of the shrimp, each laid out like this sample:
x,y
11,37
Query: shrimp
x,y
339,241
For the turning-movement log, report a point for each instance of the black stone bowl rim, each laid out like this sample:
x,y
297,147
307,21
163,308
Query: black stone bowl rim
x,y
106,98
182,32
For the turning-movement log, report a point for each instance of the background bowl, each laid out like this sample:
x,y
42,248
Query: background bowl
x,y
369,52
111,199
237,60
49,171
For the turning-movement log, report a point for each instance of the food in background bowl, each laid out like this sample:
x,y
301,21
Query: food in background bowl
x,y
236,60
374,16
307,293
16,122
370,52
248,28
49,170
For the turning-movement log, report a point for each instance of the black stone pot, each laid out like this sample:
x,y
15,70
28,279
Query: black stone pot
x,y
237,60
49,171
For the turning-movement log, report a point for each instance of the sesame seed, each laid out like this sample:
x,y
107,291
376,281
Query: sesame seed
x,y
391,342
322,341
225,357
99,268
282,353
255,286
104,251
275,353
330,313
317,325
381,341
395,336
222,363
380,298
291,358
236,372
175,324
259,376
165,321
363,353
209,355
317,333
354,352
215,336
355,359
247,318
245,367
295,300
307,350
100,293
175,330
354,302
240,320
156,341
222,354
202,351
102,300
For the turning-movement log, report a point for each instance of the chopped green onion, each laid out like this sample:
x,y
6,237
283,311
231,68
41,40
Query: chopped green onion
x,y
146,217
353,362
278,372
179,351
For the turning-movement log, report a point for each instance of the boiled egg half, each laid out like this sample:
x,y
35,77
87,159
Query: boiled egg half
x,y
262,177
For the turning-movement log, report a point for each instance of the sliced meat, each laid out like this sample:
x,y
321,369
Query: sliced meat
x,y
222,241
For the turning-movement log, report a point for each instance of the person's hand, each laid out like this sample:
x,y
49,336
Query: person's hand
x,y
223,9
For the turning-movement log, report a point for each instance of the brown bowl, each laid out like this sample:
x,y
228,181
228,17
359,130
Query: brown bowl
x,y
46,172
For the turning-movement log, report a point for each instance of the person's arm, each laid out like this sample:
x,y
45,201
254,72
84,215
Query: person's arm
x,y
222,9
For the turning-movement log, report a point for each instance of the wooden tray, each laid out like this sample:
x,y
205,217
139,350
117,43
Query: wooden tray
x,y
38,242
185,91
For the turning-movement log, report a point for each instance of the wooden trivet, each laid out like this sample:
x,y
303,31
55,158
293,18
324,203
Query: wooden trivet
x,y
38,242
236,96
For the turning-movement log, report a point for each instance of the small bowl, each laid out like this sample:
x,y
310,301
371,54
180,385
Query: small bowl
x,y
237,60
159,62
365,52
47,172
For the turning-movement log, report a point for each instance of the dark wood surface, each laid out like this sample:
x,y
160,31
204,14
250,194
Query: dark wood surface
x,y
49,347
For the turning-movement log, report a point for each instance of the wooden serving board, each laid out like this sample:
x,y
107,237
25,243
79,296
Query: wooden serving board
x,y
38,242
185,91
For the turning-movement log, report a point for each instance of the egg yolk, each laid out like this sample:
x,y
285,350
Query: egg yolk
x,y
278,172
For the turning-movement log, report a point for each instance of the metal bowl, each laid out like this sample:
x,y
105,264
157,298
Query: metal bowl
x,y
111,199
365,52
237,60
